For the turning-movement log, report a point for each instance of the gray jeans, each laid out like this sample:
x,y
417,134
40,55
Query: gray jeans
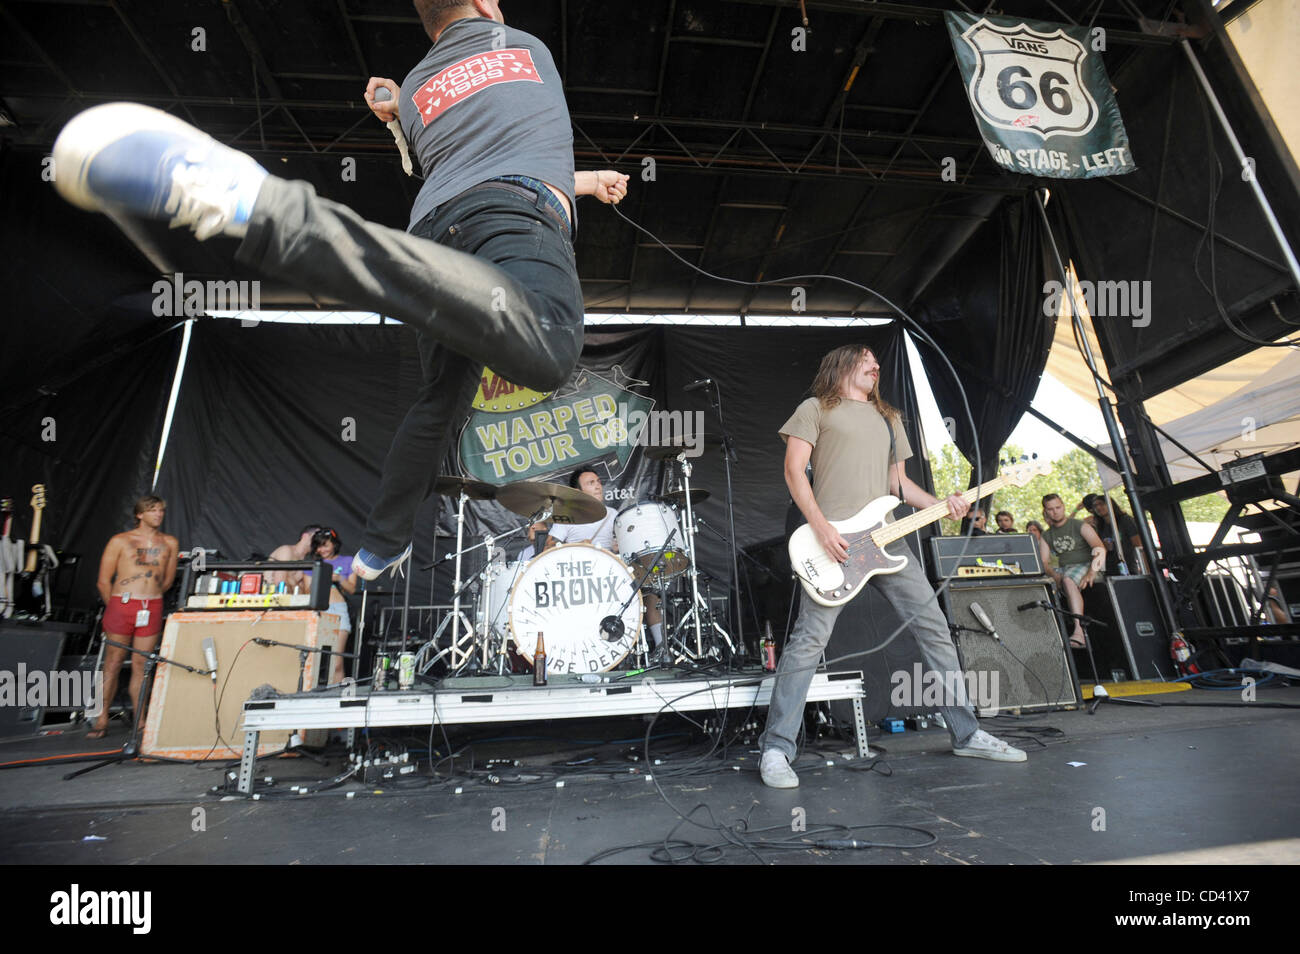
x,y
908,591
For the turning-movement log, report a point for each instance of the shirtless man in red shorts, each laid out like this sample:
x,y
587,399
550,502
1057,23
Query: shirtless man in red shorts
x,y
135,571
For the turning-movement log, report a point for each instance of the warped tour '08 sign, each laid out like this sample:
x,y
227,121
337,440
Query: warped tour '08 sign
x,y
516,434
1041,96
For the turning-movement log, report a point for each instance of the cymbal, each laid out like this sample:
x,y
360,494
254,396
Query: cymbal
x,y
568,505
678,497
449,486
669,451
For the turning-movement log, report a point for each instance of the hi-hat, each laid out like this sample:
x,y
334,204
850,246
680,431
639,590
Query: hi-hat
x,y
678,497
474,489
668,451
567,504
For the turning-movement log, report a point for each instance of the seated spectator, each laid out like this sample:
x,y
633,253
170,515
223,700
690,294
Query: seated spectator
x,y
1099,507
1079,554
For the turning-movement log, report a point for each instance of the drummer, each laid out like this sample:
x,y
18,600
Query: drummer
x,y
598,534
601,534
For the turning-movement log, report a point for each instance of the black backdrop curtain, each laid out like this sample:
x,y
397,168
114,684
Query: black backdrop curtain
x,y
281,425
258,445
105,427
985,311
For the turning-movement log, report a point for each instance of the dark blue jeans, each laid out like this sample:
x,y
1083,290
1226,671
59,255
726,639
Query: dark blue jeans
x,y
487,278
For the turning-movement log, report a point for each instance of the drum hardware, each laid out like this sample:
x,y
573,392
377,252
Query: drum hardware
x,y
697,603
537,500
639,532
565,504
745,559
612,628
448,486
458,653
672,451
728,446
677,497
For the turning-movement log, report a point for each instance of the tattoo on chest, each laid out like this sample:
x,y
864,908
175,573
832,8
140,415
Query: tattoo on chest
x,y
147,556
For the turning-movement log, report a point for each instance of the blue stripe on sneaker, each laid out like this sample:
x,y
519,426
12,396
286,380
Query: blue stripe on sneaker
x,y
135,171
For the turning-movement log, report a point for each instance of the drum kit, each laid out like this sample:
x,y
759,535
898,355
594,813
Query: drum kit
x,y
585,602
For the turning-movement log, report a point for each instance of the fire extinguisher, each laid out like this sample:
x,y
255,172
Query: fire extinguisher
x,y
1182,655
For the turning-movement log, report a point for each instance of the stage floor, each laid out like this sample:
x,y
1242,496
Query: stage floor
x,y
1217,782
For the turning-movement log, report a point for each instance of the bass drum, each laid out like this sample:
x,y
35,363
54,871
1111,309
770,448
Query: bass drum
x,y
564,594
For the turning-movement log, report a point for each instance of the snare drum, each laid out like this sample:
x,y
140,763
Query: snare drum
x,y
564,594
641,530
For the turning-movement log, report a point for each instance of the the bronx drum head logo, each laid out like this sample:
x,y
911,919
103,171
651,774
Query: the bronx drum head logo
x,y
1030,81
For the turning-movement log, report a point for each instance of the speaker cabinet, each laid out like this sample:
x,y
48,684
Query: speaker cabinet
x,y
1136,639
191,717
25,650
1033,667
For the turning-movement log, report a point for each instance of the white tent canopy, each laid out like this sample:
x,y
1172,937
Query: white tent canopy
x,y
1263,416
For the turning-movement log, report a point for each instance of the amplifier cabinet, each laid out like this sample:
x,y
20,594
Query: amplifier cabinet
x,y
1033,667
1138,636
191,717
1018,549
25,650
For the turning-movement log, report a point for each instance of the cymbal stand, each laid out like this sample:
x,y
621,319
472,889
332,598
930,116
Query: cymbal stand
x,y
459,657
728,457
456,615
697,602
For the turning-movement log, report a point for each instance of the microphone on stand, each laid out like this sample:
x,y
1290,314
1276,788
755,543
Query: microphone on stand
x,y
1036,604
210,657
978,612
701,383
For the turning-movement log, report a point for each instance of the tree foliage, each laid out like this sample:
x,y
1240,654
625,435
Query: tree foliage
x,y
1073,475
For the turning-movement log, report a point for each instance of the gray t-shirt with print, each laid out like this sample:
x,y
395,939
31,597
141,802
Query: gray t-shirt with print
x,y
486,101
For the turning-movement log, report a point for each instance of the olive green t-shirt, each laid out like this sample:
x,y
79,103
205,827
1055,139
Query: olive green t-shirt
x,y
850,455
1066,541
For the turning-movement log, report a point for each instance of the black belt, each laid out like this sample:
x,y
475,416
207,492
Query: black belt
x,y
547,203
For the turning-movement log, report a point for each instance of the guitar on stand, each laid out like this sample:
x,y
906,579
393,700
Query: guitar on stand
x,y
31,591
10,558
831,583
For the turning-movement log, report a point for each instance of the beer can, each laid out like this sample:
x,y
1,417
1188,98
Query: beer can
x,y
405,670
379,680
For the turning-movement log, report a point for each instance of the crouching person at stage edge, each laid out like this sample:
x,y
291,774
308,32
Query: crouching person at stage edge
x,y
856,445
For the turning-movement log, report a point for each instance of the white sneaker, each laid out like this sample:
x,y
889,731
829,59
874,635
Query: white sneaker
x,y
776,771
981,745
125,157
